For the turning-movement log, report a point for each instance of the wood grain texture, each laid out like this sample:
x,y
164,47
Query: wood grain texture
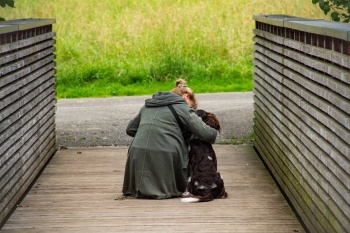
x,y
301,118
80,190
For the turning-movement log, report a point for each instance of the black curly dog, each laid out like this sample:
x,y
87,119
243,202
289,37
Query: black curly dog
x,y
205,182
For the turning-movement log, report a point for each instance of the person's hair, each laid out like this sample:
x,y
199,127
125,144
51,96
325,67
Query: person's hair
x,y
181,88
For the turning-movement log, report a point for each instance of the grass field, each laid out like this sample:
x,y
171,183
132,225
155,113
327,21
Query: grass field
x,y
136,47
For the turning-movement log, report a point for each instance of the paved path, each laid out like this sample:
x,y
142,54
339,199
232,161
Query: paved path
x,y
92,122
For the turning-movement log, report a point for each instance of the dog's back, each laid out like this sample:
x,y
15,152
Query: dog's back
x,y
202,156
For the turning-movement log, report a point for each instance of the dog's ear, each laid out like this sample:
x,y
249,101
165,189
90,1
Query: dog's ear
x,y
213,121
202,114
209,119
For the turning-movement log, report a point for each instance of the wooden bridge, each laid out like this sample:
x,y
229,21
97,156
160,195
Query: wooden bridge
x,y
301,127
80,191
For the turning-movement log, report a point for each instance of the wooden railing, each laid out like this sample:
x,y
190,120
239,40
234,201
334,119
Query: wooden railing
x,y
27,106
302,114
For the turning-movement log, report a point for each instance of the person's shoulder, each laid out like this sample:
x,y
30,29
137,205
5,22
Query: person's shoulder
x,y
185,108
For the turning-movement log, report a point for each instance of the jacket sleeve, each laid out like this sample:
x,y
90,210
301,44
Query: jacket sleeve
x,y
195,124
133,125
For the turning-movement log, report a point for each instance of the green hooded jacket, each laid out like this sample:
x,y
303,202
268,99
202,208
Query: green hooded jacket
x,y
157,160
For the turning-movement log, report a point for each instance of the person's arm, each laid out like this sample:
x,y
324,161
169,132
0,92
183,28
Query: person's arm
x,y
195,124
133,125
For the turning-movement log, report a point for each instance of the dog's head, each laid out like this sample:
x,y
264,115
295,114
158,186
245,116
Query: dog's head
x,y
209,119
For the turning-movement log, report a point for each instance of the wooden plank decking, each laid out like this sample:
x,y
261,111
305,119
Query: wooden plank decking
x,y
79,189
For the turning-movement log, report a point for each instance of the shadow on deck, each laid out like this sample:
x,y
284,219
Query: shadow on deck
x,y
78,192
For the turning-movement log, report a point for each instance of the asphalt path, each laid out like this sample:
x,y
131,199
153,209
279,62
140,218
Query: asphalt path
x,y
92,122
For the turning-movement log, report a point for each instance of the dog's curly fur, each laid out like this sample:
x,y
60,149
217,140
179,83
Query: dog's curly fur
x,y
205,182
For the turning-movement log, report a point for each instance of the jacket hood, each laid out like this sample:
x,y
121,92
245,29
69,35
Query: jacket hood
x,y
163,99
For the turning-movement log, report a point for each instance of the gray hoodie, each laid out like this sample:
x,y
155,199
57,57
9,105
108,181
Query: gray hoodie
x,y
158,155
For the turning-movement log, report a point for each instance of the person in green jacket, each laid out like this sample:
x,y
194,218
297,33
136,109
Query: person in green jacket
x,y
157,163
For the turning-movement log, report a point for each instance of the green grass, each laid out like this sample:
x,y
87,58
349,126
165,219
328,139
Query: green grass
x,y
136,47
247,139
